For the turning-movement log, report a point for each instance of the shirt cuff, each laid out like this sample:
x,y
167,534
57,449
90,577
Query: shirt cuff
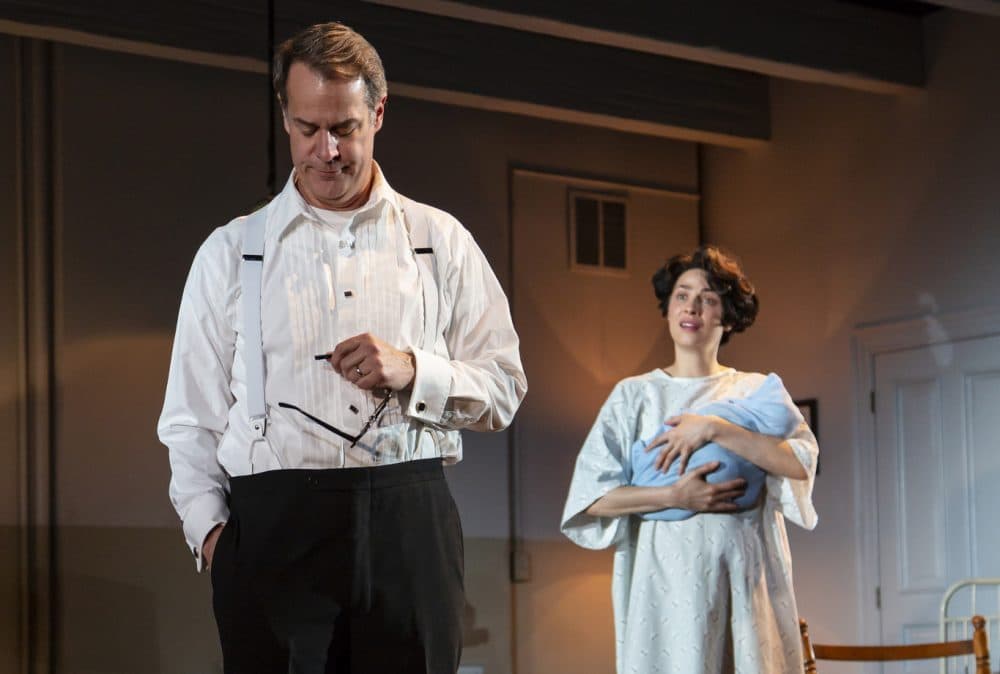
x,y
202,515
431,386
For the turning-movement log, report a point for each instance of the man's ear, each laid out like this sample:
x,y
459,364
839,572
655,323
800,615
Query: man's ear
x,y
284,115
379,113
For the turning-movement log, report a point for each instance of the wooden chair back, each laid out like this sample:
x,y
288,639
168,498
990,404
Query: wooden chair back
x,y
976,646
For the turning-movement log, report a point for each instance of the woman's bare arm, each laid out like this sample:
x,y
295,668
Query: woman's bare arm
x,y
690,492
772,454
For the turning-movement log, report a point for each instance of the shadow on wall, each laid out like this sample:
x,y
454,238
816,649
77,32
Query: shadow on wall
x,y
572,375
112,469
563,615
471,634
568,387
121,633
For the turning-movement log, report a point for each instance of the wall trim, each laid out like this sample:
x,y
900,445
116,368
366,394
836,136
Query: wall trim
x,y
598,183
870,341
493,104
117,44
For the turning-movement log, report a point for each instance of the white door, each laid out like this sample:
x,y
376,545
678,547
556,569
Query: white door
x,y
938,435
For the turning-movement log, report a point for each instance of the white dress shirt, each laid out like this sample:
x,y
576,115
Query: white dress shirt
x,y
321,285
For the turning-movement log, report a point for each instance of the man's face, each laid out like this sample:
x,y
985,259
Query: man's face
x,y
331,134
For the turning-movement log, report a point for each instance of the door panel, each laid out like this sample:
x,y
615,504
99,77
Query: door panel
x,y
983,424
938,434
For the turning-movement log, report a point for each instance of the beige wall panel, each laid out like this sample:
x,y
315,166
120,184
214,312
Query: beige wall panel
x,y
582,331
486,624
152,156
564,618
131,603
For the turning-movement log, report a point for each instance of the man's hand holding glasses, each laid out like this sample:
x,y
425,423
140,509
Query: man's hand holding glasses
x,y
370,363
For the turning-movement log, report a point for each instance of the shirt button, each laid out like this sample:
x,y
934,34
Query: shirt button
x,y
421,407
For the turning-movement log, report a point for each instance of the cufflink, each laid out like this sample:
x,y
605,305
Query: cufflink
x,y
421,407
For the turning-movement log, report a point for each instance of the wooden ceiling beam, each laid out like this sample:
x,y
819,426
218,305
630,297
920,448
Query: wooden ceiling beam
x,y
823,41
447,60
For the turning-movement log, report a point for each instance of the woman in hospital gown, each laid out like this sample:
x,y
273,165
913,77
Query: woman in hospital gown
x,y
711,593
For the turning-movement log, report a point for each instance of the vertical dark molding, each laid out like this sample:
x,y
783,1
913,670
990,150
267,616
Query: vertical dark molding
x,y
54,238
513,465
272,180
699,161
36,210
24,536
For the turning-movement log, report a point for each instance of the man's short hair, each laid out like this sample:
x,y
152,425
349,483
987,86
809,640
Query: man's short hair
x,y
334,51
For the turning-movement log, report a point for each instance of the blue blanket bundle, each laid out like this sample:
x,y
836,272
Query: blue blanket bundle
x,y
768,410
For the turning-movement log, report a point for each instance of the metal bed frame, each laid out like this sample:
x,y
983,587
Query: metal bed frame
x,y
954,626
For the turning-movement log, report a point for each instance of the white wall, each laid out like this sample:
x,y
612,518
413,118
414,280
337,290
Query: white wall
x,y
862,209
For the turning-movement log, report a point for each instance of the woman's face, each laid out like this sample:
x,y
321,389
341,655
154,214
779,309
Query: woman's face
x,y
695,312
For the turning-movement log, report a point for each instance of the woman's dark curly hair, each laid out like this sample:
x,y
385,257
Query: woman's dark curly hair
x,y
725,276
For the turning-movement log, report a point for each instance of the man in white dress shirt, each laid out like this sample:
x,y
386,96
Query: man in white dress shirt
x,y
332,538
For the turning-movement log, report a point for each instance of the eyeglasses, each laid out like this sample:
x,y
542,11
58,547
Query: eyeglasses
x,y
373,419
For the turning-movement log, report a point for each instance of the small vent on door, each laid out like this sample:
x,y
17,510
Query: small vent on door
x,y
598,232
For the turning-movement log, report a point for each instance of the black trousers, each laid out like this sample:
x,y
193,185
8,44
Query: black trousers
x,y
352,571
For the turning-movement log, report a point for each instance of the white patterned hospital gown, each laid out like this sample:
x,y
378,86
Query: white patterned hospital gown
x,y
712,593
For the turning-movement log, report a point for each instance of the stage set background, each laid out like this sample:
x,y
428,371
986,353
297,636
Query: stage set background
x,y
862,208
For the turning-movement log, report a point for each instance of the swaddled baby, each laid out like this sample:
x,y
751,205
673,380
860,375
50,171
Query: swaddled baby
x,y
768,410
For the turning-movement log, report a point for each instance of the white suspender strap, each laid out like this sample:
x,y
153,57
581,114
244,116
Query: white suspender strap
x,y
252,268
420,240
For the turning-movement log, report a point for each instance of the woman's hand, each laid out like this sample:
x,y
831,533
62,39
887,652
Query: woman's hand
x,y
690,432
694,492
691,492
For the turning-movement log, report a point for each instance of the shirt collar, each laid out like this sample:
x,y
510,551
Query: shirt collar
x,y
289,207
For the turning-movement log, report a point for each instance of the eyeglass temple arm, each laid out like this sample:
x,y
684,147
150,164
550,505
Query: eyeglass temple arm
x,y
332,429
